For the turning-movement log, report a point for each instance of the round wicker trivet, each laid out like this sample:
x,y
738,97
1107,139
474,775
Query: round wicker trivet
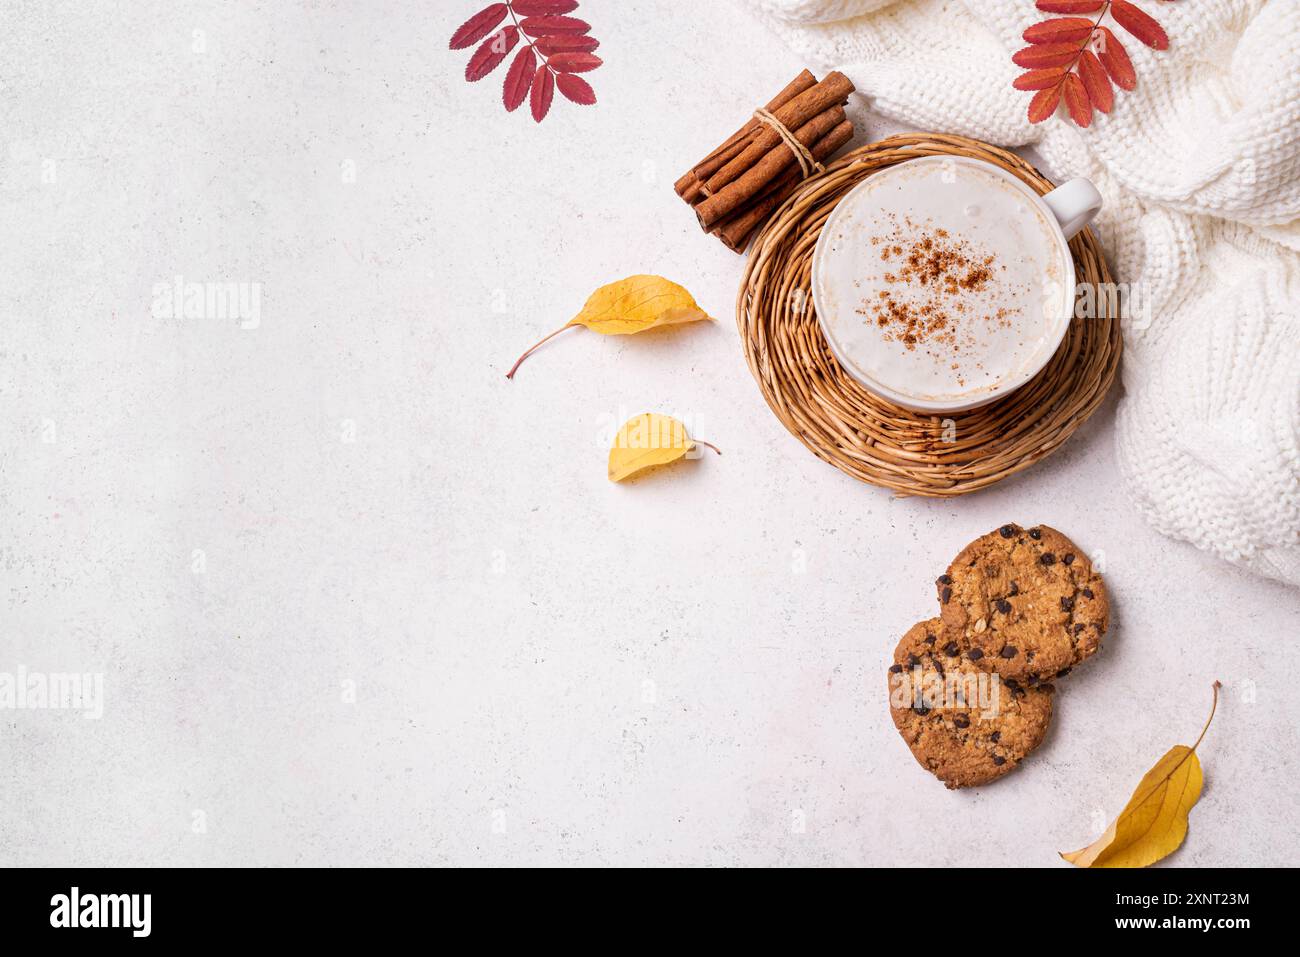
x,y
866,436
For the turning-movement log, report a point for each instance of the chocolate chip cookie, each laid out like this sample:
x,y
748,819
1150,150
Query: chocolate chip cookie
x,y
964,723
1025,603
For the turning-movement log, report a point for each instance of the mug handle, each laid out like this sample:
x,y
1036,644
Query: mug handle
x,y
1074,204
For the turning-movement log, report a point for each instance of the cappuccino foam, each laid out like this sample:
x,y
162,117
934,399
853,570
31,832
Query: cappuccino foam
x,y
941,281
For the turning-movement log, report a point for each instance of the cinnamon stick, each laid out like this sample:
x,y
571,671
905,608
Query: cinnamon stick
x,y
689,185
736,231
772,164
736,188
833,90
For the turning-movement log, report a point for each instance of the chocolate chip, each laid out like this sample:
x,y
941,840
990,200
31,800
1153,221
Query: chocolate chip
x,y
1067,603
1012,683
1063,672
1004,606
1008,651
1078,627
961,721
895,669
974,654
921,710
929,639
1087,593
947,593
1069,559
1006,531
1047,558
913,661
945,579
995,737
1033,681
999,760
1015,590
951,649
1035,534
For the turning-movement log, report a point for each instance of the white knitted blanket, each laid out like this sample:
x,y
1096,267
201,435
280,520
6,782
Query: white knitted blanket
x,y
1200,168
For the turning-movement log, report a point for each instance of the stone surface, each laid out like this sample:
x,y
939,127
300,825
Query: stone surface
x,y
242,527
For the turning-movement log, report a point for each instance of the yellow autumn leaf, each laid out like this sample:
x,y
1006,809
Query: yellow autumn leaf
x,y
648,440
636,304
629,306
1154,822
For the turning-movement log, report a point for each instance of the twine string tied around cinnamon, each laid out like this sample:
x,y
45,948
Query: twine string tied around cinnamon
x,y
807,162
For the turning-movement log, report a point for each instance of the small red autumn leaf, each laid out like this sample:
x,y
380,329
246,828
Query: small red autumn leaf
x,y
1044,104
1140,24
1076,100
1115,59
556,46
519,79
549,26
1096,82
566,43
543,92
575,62
539,8
1039,79
1036,56
1079,59
1060,30
489,56
1066,6
478,26
576,89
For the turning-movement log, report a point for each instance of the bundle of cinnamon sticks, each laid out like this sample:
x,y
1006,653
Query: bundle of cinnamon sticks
x,y
736,187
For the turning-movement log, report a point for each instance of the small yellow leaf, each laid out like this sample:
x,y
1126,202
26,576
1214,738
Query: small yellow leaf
x,y
648,440
1154,822
636,304
630,305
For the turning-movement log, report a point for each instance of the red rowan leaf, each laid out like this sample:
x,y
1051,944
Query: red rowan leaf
x,y
549,26
539,8
1044,104
1036,56
519,79
1096,82
478,26
489,56
1038,79
575,62
543,92
567,43
1076,100
1060,30
1064,6
576,89
1139,23
1115,59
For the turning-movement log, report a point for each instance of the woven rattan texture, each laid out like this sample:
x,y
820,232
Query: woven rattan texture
x,y
866,436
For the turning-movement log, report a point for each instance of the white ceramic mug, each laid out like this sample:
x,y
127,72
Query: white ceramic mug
x,y
981,340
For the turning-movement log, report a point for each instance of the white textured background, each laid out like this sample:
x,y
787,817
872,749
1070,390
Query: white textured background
x,y
499,605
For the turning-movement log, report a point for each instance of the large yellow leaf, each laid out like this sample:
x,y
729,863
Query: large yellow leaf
x,y
636,304
648,440
1154,822
628,306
